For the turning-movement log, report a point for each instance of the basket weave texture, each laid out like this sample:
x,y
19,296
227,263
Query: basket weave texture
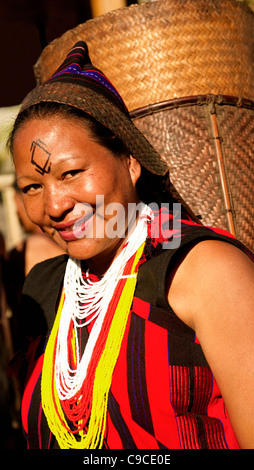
x,y
166,49
162,51
184,138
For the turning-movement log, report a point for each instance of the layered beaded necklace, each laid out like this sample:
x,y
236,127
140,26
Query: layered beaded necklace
x,y
75,384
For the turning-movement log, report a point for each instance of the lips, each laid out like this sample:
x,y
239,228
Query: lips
x,y
75,229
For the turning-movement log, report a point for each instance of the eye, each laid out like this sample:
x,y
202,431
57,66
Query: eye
x,y
70,174
30,189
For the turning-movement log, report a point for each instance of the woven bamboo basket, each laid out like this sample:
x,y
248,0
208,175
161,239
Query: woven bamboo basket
x,y
185,71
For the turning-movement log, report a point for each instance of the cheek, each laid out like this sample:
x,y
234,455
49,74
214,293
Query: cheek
x,y
34,211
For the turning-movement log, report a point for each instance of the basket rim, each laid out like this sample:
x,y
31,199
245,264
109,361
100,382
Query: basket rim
x,y
192,100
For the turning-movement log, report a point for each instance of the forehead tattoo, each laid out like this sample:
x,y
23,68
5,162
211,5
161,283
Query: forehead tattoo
x,y
40,157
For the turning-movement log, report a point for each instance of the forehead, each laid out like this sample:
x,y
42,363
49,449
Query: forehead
x,y
40,135
42,143
51,122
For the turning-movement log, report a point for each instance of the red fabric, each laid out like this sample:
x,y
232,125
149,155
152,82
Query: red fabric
x,y
29,389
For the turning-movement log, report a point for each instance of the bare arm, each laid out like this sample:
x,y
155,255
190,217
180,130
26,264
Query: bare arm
x,y
212,291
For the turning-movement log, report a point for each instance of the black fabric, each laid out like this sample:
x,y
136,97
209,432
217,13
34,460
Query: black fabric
x,y
40,297
158,267
85,74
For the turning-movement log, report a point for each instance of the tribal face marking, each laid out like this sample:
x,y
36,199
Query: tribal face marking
x,y
40,157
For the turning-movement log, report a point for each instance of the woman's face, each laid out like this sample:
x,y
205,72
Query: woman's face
x,y
71,185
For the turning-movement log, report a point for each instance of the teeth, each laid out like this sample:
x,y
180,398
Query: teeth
x,y
74,226
67,229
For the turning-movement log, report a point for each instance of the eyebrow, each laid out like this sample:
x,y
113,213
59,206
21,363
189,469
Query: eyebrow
x,y
23,177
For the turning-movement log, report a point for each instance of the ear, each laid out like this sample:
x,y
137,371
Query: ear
x,y
134,169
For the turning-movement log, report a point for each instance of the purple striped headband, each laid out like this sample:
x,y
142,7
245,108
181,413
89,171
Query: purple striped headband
x,y
79,84
77,68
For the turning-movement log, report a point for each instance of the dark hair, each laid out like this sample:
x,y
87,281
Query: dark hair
x,y
98,132
150,187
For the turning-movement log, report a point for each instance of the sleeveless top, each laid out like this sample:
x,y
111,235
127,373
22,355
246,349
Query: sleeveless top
x,y
163,394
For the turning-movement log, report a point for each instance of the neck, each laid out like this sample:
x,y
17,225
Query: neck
x,y
100,263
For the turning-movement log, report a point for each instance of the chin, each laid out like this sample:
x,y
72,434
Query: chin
x,y
83,249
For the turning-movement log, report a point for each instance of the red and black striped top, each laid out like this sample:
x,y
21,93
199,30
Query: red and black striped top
x,y
163,393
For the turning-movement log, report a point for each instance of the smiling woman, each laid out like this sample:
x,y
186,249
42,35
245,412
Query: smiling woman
x,y
133,340
79,169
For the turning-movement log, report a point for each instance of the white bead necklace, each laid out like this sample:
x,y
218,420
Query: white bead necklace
x,y
86,300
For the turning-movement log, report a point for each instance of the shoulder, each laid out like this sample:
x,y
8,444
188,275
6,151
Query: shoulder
x,y
40,297
45,273
212,272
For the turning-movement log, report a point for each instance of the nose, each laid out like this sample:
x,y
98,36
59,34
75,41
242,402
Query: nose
x,y
57,202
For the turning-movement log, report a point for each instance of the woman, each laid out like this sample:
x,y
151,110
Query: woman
x,y
136,334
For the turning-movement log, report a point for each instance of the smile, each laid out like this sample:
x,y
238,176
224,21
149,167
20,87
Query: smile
x,y
75,229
